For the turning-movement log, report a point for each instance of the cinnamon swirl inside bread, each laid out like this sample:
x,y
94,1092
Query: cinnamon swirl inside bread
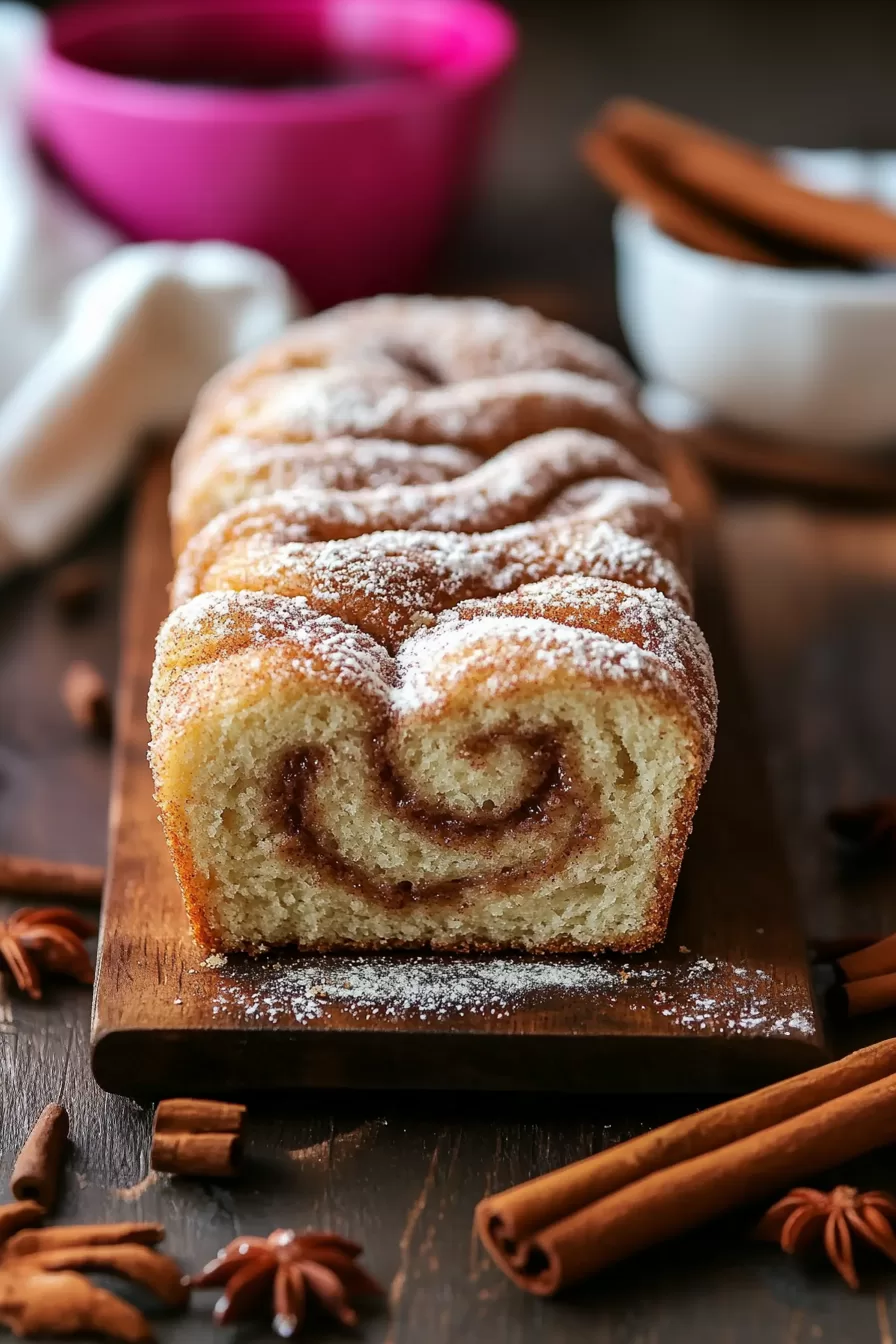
x,y
435,683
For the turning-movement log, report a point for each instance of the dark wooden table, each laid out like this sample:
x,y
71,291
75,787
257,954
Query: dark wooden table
x,y
816,600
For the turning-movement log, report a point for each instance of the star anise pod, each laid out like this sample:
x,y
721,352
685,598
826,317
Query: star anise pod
x,y
287,1267
48,939
833,1217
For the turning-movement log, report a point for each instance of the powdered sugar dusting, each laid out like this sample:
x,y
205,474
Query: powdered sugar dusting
x,y
461,338
263,616
702,995
217,625
391,577
336,464
434,659
515,486
642,617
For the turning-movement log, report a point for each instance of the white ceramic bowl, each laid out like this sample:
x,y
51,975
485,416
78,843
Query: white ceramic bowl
x,y
807,355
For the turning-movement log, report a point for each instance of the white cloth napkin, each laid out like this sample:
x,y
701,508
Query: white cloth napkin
x,y
99,341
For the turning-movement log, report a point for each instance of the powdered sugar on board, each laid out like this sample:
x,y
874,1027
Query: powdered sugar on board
x,y
699,995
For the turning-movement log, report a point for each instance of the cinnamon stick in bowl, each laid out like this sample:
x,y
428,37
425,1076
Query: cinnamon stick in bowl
x,y
747,186
688,220
559,1228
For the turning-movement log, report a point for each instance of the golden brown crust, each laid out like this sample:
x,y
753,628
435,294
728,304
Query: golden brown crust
x,y
575,478
431,342
235,467
474,374
392,583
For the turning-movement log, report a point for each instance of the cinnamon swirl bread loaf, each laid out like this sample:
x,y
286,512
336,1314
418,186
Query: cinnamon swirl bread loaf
x,y
430,679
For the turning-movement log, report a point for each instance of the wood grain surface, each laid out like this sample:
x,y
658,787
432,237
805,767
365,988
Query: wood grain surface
x,y
724,1004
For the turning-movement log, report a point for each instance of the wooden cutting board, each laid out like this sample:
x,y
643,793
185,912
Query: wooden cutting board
x,y
725,1004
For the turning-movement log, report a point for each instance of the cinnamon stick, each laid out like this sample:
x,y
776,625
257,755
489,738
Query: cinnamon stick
x,y
201,1154
192,1137
690,222
689,1193
553,1230
857,997
875,960
682,1196
754,188
28,876
188,1114
35,1175
746,185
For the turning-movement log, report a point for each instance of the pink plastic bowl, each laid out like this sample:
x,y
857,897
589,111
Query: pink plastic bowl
x,y
350,184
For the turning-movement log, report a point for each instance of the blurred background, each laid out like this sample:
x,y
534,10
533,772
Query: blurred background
x,y
809,74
